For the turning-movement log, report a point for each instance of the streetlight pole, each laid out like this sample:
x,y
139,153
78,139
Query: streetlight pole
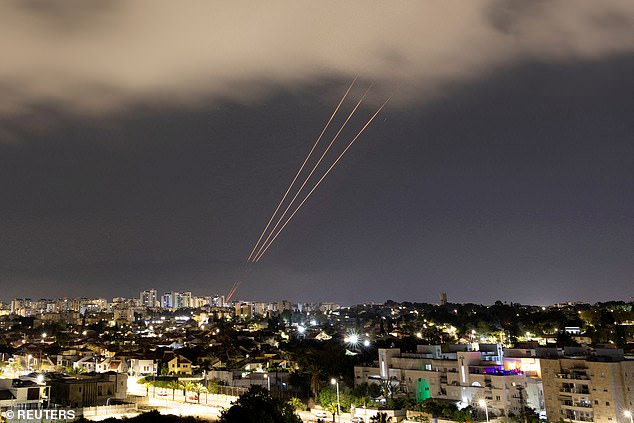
x,y
483,404
335,382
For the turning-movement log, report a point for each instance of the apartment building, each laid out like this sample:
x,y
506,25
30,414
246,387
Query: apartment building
x,y
149,298
594,388
460,373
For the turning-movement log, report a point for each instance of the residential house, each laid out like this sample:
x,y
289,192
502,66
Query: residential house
x,y
22,394
87,390
112,364
177,364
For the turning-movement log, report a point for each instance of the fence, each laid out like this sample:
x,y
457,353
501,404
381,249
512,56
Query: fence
x,y
234,391
105,410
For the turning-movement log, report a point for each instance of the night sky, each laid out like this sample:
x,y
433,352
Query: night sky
x,y
143,146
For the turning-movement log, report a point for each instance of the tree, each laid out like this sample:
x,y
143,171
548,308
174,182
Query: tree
x,y
74,371
371,390
16,367
332,409
328,396
186,386
463,415
297,404
198,388
147,385
257,406
438,409
528,416
213,386
380,418
315,371
173,385
164,370
361,401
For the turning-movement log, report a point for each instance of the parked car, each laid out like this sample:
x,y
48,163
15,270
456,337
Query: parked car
x,y
357,419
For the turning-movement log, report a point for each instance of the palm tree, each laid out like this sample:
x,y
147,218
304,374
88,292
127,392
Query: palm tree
x,y
332,408
197,388
173,385
147,388
316,372
187,386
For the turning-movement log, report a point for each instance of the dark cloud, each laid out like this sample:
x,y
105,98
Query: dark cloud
x,y
92,57
506,16
67,15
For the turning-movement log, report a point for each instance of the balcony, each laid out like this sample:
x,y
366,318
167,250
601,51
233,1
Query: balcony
x,y
565,390
583,415
572,405
573,376
574,388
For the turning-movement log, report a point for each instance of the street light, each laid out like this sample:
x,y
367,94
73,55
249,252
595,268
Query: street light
x,y
628,414
483,404
334,381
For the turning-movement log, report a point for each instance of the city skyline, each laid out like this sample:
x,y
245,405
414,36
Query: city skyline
x,y
177,300
500,170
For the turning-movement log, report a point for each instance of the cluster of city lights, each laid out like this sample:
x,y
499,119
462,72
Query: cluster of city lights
x,y
354,340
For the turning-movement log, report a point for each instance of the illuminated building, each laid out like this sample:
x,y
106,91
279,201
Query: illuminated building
x,y
596,387
462,374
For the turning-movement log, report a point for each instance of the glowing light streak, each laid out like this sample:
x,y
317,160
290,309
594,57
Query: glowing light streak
x,y
316,165
301,168
233,290
259,256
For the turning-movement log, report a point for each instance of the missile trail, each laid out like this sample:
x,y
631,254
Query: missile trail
x,y
290,204
259,256
233,290
301,168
